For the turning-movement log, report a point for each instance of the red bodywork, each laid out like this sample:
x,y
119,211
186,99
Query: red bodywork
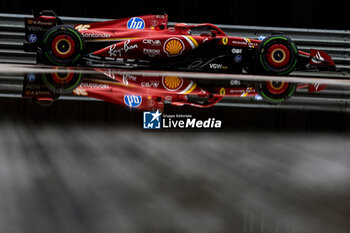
x,y
124,29
145,92
149,41
155,40
149,37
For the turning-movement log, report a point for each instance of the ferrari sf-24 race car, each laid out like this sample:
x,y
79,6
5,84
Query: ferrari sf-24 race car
x,y
149,42
152,92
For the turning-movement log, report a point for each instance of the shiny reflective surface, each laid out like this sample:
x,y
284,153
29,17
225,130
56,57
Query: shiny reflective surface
x,y
153,91
74,156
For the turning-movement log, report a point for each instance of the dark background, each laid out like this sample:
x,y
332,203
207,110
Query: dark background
x,y
297,13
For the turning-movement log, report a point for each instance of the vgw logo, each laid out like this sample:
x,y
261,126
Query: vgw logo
x,y
136,23
152,120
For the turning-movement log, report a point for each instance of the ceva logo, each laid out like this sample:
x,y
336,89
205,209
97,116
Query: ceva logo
x,y
136,23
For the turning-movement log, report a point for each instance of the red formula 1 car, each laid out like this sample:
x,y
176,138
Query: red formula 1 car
x,y
152,92
148,41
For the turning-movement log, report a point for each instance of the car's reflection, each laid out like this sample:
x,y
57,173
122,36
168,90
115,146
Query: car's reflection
x,y
145,92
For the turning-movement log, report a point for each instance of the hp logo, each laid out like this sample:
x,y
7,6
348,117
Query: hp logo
x,y
136,23
133,101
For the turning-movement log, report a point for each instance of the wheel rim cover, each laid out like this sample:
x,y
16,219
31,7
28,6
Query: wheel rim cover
x,y
277,88
62,77
278,56
63,46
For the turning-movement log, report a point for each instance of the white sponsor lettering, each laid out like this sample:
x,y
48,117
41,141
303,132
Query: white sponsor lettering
x,y
151,52
127,47
127,77
152,42
150,84
193,123
35,28
94,85
113,52
95,35
236,51
217,66
318,58
42,23
160,16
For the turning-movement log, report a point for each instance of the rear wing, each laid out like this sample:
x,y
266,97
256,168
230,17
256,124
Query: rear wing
x,y
37,26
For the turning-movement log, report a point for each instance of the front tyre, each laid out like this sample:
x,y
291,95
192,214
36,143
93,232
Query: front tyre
x,y
276,92
277,55
62,46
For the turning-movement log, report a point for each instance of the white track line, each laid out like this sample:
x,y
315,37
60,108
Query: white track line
x,y
23,69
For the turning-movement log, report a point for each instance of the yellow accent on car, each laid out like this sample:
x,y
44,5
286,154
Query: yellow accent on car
x,y
192,88
194,41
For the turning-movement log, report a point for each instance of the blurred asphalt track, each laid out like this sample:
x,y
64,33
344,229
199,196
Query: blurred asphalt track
x,y
94,170
88,167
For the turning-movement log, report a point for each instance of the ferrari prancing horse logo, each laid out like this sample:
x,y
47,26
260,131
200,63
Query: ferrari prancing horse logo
x,y
225,40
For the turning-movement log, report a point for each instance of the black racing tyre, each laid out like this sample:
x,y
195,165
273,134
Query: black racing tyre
x,y
276,92
62,81
277,55
62,46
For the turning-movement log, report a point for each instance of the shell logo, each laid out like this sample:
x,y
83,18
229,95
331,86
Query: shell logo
x,y
172,83
174,47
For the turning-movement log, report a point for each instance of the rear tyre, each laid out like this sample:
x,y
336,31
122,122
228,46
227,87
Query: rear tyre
x,y
276,92
62,46
277,55
63,81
